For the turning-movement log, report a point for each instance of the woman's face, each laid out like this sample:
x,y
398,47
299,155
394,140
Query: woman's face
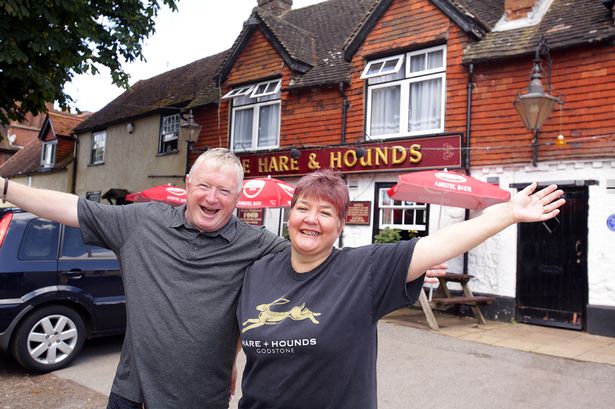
x,y
313,226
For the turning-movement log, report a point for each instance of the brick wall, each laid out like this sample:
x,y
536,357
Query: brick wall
x,y
413,25
585,78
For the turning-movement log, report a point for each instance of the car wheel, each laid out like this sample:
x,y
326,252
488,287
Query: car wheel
x,y
48,339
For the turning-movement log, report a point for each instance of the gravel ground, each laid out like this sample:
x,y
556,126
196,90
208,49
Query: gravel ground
x,y
21,390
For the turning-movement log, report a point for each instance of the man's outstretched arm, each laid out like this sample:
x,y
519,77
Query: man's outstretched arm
x,y
49,204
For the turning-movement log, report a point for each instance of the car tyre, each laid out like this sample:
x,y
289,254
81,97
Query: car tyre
x,y
48,339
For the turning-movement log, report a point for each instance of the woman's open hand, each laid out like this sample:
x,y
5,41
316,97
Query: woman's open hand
x,y
531,206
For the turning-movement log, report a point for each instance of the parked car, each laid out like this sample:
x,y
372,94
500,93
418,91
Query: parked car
x,y
54,291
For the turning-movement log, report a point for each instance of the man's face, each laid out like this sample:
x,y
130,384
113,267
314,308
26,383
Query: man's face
x,y
211,196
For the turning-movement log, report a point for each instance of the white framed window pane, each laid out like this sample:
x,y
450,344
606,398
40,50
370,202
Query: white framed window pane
x,y
435,59
386,216
385,199
426,61
268,129
417,63
385,110
374,68
266,88
383,66
425,105
236,92
98,147
242,129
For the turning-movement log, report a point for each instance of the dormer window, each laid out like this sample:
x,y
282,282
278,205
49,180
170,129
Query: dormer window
x,y
48,154
255,118
406,94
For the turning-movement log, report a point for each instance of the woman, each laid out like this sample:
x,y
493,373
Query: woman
x,y
308,315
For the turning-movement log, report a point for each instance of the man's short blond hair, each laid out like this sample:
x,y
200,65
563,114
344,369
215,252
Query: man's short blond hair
x,y
219,158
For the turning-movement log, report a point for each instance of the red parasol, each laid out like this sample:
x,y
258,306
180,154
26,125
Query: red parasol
x,y
261,193
447,189
170,194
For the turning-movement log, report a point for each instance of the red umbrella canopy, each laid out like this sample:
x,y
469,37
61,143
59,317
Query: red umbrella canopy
x,y
447,189
170,194
265,192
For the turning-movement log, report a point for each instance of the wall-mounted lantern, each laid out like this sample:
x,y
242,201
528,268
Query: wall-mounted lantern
x,y
536,106
189,130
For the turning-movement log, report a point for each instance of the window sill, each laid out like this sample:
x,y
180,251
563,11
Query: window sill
x,y
167,153
96,164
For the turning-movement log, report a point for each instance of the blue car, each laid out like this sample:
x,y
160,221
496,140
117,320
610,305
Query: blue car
x,y
55,291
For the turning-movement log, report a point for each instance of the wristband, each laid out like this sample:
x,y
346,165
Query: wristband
x,y
5,190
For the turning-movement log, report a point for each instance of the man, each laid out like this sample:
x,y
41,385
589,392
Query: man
x,y
182,271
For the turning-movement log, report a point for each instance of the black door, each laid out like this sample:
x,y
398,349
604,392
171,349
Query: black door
x,y
552,266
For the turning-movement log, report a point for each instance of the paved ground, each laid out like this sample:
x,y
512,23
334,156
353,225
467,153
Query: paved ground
x,y
417,368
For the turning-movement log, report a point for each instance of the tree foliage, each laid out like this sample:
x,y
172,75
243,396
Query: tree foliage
x,y
45,43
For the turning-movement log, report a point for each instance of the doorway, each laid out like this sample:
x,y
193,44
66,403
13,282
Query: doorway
x,y
552,266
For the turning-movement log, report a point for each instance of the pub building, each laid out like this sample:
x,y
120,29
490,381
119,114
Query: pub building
x,y
384,88
509,92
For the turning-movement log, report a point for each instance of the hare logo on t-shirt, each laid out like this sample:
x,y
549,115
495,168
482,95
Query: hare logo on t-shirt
x,y
268,317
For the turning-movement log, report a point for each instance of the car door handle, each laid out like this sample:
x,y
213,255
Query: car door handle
x,y
73,274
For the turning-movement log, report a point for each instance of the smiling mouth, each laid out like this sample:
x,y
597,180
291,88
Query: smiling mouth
x,y
209,210
310,233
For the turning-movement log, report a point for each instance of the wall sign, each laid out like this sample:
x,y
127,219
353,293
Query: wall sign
x,y
358,213
251,216
386,156
610,222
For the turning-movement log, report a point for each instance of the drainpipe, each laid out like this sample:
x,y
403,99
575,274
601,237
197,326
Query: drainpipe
x,y
466,155
345,106
73,184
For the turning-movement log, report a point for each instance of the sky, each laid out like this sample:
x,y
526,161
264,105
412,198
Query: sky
x,y
198,28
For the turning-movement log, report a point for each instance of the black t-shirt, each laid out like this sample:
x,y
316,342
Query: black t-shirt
x,y
311,338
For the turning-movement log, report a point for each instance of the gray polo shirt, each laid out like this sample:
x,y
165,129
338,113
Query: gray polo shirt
x,y
182,288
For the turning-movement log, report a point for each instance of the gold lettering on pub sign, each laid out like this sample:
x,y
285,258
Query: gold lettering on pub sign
x,y
395,155
388,156
274,164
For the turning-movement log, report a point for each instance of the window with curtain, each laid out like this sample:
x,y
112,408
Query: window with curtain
x,y
399,214
406,94
255,119
97,153
48,154
169,134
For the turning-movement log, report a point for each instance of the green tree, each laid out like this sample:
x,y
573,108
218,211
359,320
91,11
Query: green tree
x,y
45,43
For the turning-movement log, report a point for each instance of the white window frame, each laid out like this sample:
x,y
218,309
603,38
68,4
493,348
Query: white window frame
x,y
169,131
400,60
277,85
267,89
426,71
255,125
48,153
239,91
95,149
405,84
404,206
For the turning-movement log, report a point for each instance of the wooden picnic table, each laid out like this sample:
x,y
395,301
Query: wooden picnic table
x,y
443,296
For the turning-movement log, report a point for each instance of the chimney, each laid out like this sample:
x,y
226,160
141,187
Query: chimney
x,y
517,9
275,7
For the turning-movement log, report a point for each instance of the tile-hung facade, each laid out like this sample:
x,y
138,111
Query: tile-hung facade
x,y
423,84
